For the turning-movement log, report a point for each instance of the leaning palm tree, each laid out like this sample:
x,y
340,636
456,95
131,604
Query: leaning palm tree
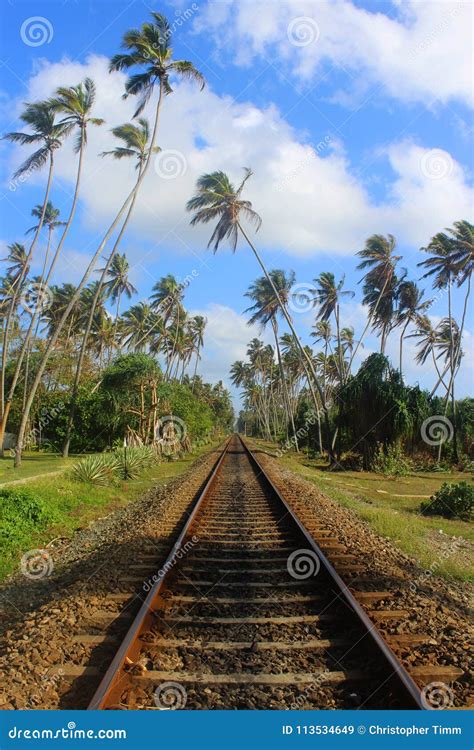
x,y
75,103
48,134
136,322
149,49
328,295
217,199
410,307
265,310
119,282
134,140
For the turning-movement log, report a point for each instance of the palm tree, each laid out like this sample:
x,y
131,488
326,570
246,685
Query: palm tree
x,y
136,145
328,295
119,282
265,310
410,308
198,324
217,199
166,299
380,284
443,266
149,48
136,323
75,103
40,117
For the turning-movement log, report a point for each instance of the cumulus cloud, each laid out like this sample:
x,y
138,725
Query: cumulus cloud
x,y
308,194
421,53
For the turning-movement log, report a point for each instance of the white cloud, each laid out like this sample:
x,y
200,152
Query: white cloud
x,y
424,53
309,196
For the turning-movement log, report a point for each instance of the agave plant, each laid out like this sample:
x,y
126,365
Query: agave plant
x,y
98,470
130,462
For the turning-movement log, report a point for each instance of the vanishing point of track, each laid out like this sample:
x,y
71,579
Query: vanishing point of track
x,y
247,611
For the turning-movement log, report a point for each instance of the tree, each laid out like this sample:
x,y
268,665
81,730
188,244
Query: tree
x,y
380,284
217,199
40,117
75,104
149,48
410,308
198,325
265,310
328,295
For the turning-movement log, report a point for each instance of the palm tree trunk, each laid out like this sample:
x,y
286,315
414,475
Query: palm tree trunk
x,y
45,283
284,384
82,353
296,338
401,346
83,282
339,349
196,365
11,309
370,317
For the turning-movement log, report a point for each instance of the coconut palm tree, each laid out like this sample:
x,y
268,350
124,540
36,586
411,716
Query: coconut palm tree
x,y
119,282
167,300
136,323
380,285
48,134
265,310
135,140
410,308
217,199
198,324
328,295
75,103
149,49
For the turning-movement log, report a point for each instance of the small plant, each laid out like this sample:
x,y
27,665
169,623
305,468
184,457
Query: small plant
x,y
390,461
451,501
130,462
349,461
98,470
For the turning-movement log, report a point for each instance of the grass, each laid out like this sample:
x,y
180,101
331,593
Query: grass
x,y
32,464
73,505
391,508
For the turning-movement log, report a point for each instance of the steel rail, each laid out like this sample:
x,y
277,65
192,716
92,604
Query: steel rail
x,y
107,694
130,646
409,686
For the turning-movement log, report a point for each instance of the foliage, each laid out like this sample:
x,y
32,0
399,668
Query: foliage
x,y
453,500
391,461
98,470
130,462
21,512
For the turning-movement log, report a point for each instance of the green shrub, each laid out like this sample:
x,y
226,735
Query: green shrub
x,y
21,513
98,470
349,461
451,501
391,461
130,462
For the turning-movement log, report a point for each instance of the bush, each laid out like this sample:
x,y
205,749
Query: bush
x,y
391,461
21,513
350,461
98,470
130,462
451,501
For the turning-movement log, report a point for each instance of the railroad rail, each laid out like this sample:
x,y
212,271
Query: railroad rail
x,y
247,611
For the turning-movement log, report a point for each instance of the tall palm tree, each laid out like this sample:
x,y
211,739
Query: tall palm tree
x,y
166,299
119,282
216,198
75,103
443,267
135,140
328,295
48,134
149,49
380,284
136,323
410,308
198,325
265,310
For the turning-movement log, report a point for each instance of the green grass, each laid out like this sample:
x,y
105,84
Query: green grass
x,y
32,464
395,517
72,505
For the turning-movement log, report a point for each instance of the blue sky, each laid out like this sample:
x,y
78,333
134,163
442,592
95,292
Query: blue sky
x,y
356,118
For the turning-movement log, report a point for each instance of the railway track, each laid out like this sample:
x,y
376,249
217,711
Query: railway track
x,y
247,612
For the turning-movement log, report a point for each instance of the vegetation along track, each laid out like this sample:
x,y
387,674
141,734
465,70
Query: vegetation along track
x,y
248,613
